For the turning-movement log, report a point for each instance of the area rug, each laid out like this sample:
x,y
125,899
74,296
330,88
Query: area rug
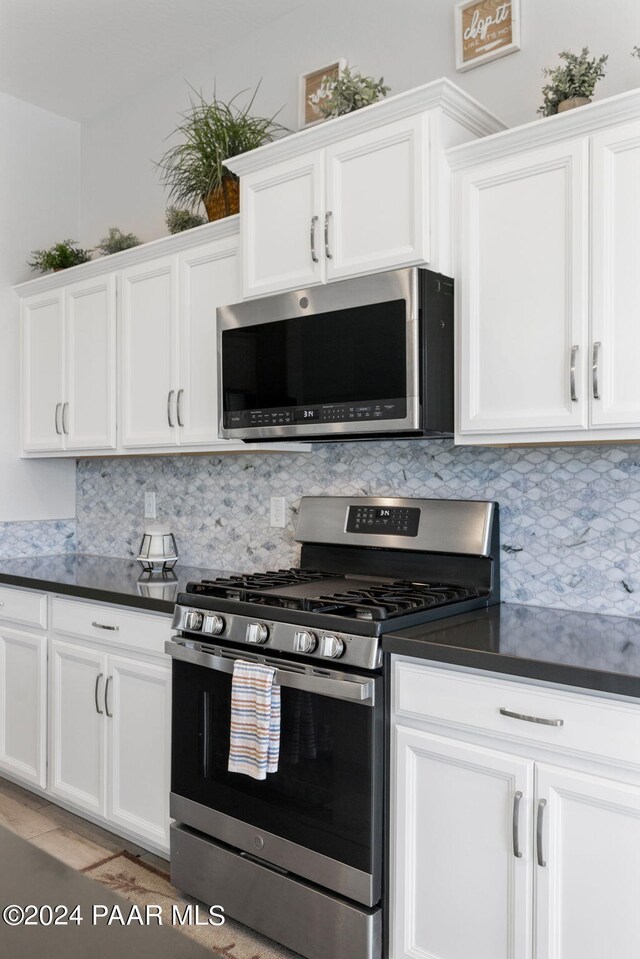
x,y
129,877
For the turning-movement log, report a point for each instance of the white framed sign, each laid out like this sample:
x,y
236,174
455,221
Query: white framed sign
x,y
315,87
485,30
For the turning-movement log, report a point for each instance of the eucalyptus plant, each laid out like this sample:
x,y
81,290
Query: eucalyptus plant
x,y
576,78
210,133
60,256
350,91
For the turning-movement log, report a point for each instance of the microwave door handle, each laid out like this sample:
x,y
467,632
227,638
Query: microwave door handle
x,y
353,690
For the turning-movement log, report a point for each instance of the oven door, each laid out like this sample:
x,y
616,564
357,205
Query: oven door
x,y
320,815
336,359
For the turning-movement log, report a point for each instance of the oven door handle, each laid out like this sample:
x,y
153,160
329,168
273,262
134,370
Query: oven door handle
x,y
355,690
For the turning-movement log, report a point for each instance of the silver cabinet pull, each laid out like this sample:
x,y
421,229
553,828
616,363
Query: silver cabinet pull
x,y
572,376
179,407
95,694
106,697
530,719
327,251
170,395
65,419
541,804
56,415
314,255
594,370
113,629
517,798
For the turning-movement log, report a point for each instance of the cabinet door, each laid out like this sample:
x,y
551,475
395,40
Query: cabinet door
x,y
89,419
138,702
458,890
282,223
43,371
587,891
521,292
149,307
78,730
23,698
377,202
615,386
209,277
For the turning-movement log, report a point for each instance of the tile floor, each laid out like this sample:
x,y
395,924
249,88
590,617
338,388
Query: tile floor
x,y
67,837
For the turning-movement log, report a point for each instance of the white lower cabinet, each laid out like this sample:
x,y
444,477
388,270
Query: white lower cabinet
x,y
511,838
109,750
23,705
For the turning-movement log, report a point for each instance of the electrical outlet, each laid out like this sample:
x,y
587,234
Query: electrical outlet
x,y
150,506
278,511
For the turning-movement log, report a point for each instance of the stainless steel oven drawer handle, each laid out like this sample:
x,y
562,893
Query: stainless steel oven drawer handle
x,y
354,690
113,629
530,719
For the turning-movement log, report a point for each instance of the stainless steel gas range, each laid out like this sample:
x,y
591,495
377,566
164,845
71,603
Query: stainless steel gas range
x,y
300,856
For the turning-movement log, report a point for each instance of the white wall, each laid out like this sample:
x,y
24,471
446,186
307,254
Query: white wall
x,y
409,41
39,204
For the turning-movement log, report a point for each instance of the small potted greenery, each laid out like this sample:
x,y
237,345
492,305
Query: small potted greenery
x,y
115,241
178,220
571,84
60,256
194,170
350,91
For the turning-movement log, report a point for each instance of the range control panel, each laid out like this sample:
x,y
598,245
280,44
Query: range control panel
x,y
390,520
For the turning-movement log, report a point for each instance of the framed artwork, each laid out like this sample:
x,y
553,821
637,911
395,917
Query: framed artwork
x,y
485,30
313,88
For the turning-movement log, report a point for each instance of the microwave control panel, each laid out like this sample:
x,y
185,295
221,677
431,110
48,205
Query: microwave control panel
x,y
373,410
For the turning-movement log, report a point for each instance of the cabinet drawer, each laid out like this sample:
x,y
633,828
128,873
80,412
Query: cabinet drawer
x,y
23,606
111,625
591,725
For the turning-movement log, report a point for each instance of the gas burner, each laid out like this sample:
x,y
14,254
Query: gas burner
x,y
396,599
243,588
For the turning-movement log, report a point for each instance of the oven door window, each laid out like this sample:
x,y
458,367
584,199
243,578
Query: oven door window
x,y
323,794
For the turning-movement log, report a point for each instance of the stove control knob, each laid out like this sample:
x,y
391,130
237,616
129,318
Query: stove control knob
x,y
213,624
332,647
192,619
257,633
304,641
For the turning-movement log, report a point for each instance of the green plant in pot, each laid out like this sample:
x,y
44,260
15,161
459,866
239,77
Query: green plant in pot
x,y
178,220
194,170
60,256
571,84
351,91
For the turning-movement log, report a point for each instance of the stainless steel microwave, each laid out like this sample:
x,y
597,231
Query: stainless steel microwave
x,y
359,359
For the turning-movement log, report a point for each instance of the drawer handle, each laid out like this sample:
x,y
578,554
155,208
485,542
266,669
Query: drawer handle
x,y
531,719
95,694
106,697
516,823
104,626
542,803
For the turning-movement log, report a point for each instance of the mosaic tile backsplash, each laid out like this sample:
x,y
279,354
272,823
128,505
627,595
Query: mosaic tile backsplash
x,y
37,538
570,515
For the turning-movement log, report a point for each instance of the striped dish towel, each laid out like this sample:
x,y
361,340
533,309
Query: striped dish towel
x,y
255,720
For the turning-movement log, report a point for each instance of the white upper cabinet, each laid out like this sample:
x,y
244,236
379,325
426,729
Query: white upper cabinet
x,y
547,278
42,371
120,354
149,347
522,292
616,276
69,368
365,192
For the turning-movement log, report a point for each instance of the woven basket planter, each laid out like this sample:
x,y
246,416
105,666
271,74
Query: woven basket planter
x,y
224,200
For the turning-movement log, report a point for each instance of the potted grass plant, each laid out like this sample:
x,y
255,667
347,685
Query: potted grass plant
x,y
571,84
194,171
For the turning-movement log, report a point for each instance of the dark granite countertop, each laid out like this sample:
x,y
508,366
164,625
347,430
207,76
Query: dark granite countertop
x,y
555,645
102,578
31,876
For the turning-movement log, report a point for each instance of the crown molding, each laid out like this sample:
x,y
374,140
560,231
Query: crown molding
x,y
582,121
439,94
165,246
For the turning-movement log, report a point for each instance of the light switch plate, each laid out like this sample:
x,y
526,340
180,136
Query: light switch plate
x,y
150,506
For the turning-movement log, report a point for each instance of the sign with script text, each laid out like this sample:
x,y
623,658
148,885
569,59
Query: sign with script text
x,y
486,30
